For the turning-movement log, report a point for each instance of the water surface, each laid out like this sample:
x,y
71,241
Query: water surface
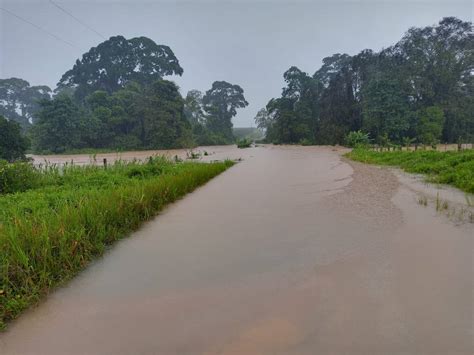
x,y
291,251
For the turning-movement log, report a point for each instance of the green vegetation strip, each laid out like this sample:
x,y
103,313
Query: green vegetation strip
x,y
66,217
452,168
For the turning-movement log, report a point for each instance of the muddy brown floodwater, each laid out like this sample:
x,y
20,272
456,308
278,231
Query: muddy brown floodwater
x,y
292,251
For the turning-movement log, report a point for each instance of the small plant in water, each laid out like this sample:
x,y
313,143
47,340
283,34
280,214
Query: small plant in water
x,y
191,154
244,143
440,204
423,200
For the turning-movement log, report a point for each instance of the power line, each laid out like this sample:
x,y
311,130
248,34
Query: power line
x,y
39,28
75,18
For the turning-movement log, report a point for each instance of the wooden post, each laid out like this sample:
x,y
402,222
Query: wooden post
x,y
105,163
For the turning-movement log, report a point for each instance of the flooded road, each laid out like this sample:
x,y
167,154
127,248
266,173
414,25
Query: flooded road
x,y
292,251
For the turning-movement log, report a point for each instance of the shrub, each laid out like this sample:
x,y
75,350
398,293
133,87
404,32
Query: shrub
x,y
17,177
357,139
306,142
244,143
12,144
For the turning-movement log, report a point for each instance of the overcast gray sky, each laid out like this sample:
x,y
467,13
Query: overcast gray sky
x,y
250,43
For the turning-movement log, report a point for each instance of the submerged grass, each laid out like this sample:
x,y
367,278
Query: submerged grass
x,y
452,167
52,229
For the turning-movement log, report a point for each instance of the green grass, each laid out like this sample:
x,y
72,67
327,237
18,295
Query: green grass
x,y
52,229
452,168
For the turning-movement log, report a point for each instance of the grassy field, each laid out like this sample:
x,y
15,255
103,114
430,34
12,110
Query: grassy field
x,y
452,167
54,221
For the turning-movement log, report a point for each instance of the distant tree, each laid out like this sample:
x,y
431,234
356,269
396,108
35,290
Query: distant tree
x,y
340,101
164,123
19,101
430,122
221,103
383,93
60,126
331,67
193,107
118,61
264,120
12,144
386,109
140,116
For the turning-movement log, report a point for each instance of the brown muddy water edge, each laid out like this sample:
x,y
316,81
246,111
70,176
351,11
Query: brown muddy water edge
x,y
292,251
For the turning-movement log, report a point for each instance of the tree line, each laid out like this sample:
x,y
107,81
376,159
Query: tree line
x,y
116,97
420,90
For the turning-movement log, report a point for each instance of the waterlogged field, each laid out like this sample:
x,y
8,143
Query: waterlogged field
x,y
451,167
54,221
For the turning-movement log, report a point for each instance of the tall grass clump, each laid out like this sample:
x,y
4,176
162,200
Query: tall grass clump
x,y
244,143
52,230
454,168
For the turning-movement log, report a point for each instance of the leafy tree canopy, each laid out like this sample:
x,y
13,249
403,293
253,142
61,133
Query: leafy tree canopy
x,y
221,103
19,101
193,107
118,61
60,125
403,93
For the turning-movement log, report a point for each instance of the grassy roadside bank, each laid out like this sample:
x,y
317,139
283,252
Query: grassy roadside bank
x,y
451,168
52,228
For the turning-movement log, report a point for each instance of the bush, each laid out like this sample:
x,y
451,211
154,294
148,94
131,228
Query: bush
x,y
244,143
357,139
306,142
17,177
12,144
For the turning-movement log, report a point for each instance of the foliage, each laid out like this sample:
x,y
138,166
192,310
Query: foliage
x,y
421,88
18,177
244,143
220,104
193,107
118,61
12,144
51,232
429,125
453,168
60,126
357,139
20,101
210,115
135,117
115,98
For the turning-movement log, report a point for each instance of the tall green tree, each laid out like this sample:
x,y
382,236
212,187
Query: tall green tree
x,y
140,117
61,126
386,109
193,107
389,94
13,144
19,101
220,104
164,124
118,61
429,126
